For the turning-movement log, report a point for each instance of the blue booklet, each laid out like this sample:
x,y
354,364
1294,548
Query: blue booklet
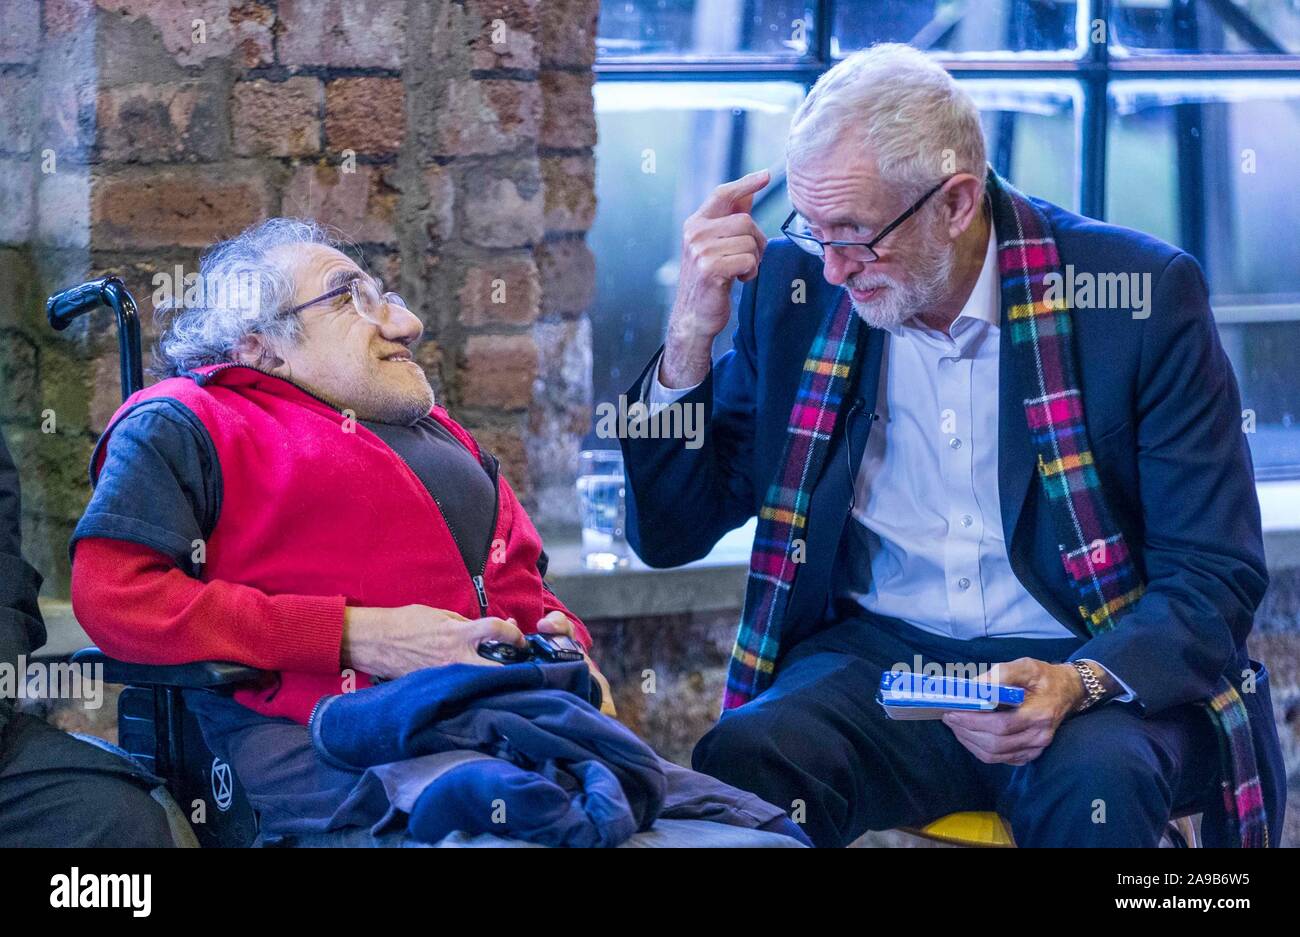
x,y
905,694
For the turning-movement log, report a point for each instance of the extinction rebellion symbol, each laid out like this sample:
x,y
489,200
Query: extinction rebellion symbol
x,y
223,786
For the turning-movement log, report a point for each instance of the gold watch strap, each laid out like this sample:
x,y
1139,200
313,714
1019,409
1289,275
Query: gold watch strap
x,y
1091,685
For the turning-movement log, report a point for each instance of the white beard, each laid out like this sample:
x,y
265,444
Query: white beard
x,y
903,301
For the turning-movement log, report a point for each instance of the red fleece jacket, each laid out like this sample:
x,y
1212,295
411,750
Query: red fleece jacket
x,y
315,514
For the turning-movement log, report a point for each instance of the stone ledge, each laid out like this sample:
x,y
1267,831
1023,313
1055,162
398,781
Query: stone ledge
x,y
638,591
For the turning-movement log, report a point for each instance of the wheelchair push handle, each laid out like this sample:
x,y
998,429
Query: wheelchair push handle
x,y
63,307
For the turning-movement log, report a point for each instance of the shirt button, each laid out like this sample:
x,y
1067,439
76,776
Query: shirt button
x,y
963,583
954,443
967,520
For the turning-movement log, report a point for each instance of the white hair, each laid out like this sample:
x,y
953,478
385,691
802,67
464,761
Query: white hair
x,y
900,105
243,292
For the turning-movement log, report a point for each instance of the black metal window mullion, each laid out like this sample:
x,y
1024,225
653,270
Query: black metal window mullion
x,y
1189,145
823,32
1094,113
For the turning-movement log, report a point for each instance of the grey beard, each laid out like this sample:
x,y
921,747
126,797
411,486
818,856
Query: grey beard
x,y
905,301
404,410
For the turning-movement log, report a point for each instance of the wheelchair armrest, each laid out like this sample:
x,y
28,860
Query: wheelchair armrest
x,y
202,675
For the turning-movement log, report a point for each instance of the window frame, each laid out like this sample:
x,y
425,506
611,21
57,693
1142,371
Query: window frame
x,y
1093,66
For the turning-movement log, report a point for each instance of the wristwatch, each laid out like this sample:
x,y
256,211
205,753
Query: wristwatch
x,y
1091,685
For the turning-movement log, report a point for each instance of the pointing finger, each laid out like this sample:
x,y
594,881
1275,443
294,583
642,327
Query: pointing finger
x,y
737,195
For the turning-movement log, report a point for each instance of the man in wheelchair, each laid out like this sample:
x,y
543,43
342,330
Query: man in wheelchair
x,y
291,498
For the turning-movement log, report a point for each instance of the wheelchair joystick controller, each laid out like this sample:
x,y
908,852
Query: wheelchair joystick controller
x,y
544,649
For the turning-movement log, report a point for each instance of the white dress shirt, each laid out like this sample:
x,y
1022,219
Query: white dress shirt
x,y
926,495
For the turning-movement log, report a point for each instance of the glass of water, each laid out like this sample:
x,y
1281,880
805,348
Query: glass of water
x,y
602,502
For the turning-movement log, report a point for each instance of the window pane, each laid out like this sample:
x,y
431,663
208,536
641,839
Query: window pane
x,y
646,29
1029,129
663,147
957,26
1209,166
1225,26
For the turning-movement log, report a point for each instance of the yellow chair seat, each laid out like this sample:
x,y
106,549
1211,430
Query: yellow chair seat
x,y
968,828
988,830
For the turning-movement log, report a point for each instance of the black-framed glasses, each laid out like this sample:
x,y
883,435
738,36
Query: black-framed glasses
x,y
367,295
863,251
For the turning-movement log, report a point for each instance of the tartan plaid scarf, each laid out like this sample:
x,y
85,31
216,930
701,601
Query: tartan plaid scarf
x,y
1097,561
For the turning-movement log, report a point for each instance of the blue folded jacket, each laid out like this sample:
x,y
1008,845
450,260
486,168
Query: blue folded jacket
x,y
561,773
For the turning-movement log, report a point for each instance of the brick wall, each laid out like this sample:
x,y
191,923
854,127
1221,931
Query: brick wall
x,y
449,140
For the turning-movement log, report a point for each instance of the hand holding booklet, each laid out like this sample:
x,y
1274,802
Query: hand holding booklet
x,y
905,694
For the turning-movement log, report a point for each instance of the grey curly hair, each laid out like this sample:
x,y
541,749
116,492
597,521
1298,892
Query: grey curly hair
x,y
243,292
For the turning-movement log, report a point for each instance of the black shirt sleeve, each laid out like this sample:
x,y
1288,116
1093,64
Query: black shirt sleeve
x,y
160,484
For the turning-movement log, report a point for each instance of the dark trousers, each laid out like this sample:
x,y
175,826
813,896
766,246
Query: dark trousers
x,y
56,790
818,744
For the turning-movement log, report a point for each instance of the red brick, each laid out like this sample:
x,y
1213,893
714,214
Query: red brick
x,y
510,277
503,206
570,183
67,113
232,29
488,116
504,33
568,272
497,371
174,207
366,115
276,118
568,110
428,355
507,444
146,122
342,33
141,275
361,204
569,32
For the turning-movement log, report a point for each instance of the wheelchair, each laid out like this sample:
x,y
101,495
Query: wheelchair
x,y
153,725
156,729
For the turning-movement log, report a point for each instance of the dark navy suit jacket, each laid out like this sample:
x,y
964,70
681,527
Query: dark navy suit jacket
x,y
1164,418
